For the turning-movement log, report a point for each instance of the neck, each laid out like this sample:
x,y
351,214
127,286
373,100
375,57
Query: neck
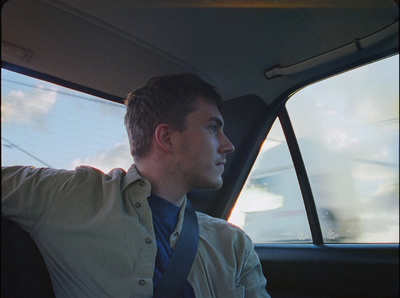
x,y
163,182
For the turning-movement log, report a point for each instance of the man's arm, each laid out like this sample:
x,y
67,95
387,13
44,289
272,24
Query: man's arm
x,y
28,192
252,277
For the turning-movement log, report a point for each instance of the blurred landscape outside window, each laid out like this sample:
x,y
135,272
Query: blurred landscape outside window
x,y
347,128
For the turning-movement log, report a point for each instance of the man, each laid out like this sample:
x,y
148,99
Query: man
x,y
113,235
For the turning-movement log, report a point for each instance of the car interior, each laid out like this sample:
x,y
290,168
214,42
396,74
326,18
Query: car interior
x,y
258,54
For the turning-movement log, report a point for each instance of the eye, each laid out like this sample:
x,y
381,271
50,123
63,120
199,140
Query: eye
x,y
213,128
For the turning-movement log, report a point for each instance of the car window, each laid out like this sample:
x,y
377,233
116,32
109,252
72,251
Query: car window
x,y
271,198
46,125
347,128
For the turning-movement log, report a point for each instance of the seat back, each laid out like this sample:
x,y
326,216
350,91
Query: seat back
x,y
23,271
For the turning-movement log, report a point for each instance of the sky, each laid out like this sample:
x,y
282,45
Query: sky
x,y
47,125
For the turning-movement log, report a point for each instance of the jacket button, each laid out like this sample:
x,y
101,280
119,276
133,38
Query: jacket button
x,y
142,282
138,205
148,240
141,183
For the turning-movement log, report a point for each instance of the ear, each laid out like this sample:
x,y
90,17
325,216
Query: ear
x,y
162,137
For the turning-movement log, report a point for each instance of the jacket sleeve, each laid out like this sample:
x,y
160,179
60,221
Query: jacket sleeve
x,y
27,192
252,277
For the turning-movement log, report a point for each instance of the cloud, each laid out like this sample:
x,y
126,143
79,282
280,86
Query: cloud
x,y
117,157
30,106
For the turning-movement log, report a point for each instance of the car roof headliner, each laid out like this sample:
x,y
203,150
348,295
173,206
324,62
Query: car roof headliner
x,y
116,46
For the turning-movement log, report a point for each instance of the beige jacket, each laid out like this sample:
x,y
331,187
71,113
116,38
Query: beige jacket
x,y
96,235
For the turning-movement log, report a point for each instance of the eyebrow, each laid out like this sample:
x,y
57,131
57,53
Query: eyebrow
x,y
218,120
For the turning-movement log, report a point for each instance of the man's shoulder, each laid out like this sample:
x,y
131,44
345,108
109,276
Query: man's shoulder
x,y
205,219
211,227
223,241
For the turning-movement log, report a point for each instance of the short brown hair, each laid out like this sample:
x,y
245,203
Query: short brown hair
x,y
165,99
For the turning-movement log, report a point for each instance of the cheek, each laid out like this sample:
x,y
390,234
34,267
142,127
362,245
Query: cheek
x,y
200,147
205,149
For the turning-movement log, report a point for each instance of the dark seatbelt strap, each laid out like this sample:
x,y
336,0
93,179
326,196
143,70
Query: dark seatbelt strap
x,y
177,271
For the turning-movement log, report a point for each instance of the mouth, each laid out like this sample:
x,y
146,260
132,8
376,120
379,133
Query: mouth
x,y
221,163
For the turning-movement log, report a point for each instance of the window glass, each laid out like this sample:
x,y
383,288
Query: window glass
x,y
270,207
347,128
46,125
348,132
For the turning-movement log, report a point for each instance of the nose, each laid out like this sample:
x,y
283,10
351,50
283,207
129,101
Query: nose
x,y
226,146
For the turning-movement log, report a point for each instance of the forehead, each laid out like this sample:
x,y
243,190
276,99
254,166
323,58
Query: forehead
x,y
205,111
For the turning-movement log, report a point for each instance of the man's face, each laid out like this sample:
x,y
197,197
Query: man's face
x,y
202,148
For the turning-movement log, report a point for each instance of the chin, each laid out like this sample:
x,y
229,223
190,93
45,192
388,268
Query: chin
x,y
207,181
212,184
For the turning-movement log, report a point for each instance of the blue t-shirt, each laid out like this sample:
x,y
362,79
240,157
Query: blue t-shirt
x,y
165,218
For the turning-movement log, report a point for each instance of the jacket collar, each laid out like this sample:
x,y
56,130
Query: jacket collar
x,y
131,176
